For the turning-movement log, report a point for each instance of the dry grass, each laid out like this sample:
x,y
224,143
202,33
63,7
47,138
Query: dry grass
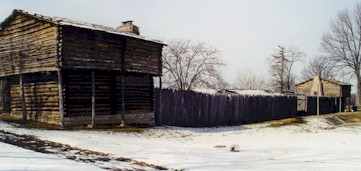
x,y
286,122
351,117
27,124
45,126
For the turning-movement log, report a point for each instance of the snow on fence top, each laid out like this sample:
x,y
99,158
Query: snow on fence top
x,y
254,92
236,92
205,91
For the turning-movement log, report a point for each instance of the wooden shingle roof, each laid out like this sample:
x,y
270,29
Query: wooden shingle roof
x,y
329,80
68,22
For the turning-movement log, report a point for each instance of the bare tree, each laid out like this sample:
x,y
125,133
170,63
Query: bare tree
x,y
281,65
187,65
343,43
319,65
249,80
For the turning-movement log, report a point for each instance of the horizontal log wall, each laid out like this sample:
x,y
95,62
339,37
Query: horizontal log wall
x,y
91,49
4,95
41,97
304,88
138,95
27,45
142,56
88,49
331,89
78,93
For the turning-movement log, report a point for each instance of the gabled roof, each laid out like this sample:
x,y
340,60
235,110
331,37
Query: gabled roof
x,y
74,23
332,81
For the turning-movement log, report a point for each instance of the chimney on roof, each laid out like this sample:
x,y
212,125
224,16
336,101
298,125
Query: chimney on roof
x,y
128,27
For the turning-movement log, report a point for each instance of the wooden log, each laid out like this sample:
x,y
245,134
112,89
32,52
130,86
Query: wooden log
x,y
93,100
22,96
123,101
61,97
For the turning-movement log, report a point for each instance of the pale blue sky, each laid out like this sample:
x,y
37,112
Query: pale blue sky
x,y
245,31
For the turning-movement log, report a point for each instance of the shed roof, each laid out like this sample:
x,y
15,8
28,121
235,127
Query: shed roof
x,y
329,80
74,23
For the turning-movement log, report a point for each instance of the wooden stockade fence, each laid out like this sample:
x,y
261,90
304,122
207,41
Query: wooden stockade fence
x,y
190,109
327,105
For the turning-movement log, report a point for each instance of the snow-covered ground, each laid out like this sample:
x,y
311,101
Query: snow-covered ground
x,y
16,158
302,147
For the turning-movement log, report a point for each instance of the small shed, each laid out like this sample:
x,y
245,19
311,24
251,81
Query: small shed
x,y
67,72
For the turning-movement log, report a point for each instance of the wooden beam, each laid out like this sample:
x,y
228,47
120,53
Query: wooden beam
x,y
340,106
61,97
318,106
113,87
349,104
123,102
22,96
159,101
124,48
93,100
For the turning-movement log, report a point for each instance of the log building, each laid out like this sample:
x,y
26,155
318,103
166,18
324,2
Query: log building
x,y
324,88
73,73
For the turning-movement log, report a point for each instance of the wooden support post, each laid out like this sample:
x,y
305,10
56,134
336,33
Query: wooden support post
x,y
158,119
113,89
349,104
340,107
122,124
61,97
93,100
22,96
318,106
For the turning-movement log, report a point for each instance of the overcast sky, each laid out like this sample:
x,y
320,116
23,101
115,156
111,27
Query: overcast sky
x,y
245,31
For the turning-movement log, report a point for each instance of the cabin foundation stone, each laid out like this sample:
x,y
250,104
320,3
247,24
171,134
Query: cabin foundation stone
x,y
140,118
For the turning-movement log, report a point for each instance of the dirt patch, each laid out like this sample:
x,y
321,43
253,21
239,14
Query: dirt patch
x,y
351,117
27,124
17,122
102,160
286,122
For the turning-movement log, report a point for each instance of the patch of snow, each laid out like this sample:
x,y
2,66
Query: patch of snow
x,y
16,158
312,146
205,91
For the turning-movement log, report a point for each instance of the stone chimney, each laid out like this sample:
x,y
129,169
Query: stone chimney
x,y
317,88
128,27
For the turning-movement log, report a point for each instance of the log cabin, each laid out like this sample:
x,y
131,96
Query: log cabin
x,y
323,87
73,73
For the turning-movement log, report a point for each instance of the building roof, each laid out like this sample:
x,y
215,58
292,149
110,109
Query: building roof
x,y
74,23
329,80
